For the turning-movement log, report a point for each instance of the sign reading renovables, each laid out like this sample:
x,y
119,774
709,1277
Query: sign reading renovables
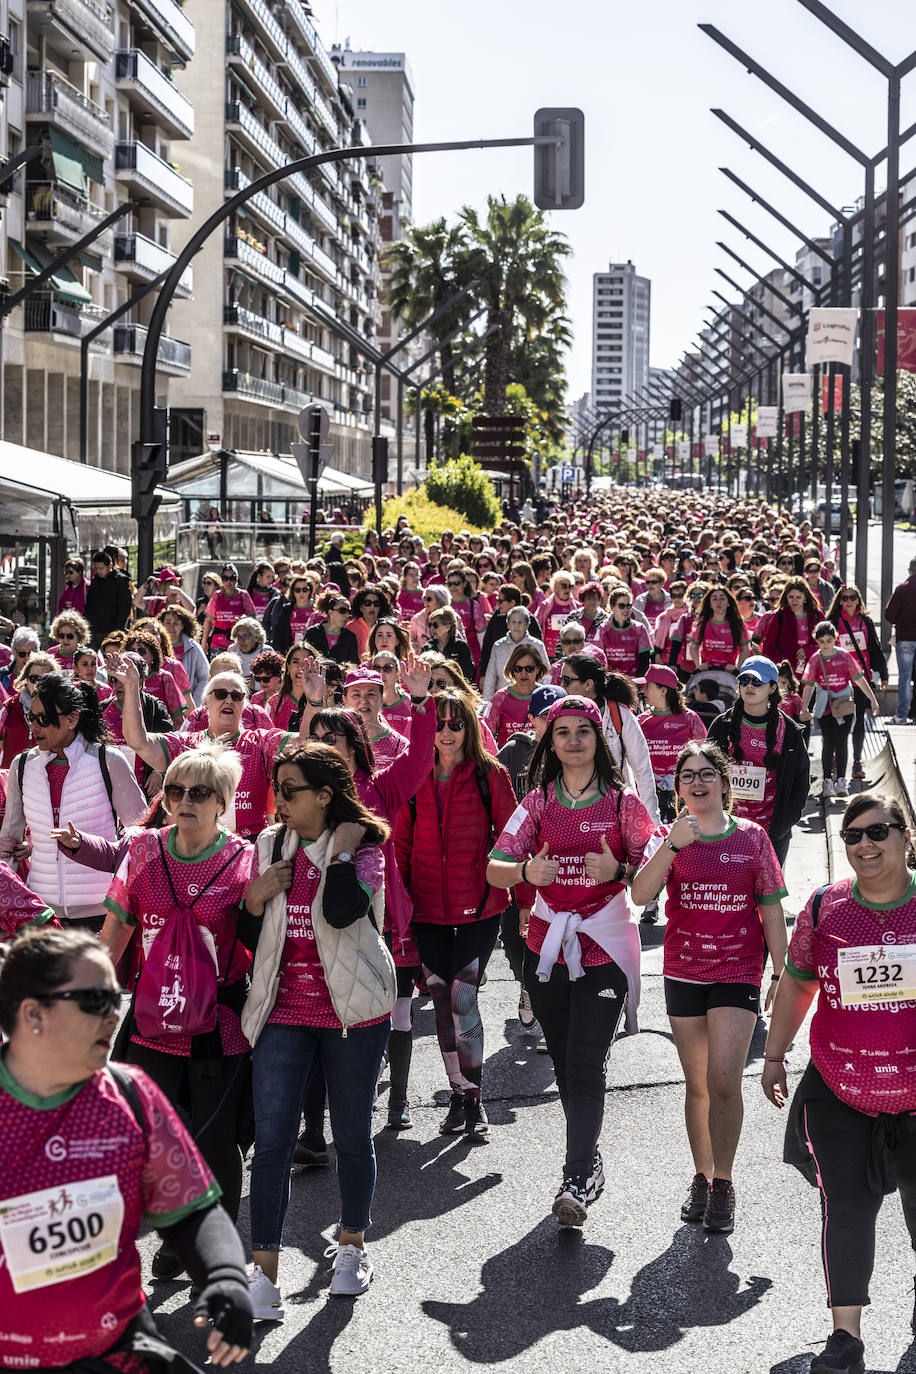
x,y
498,441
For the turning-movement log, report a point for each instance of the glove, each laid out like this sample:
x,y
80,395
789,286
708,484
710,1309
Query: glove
x,y
227,1305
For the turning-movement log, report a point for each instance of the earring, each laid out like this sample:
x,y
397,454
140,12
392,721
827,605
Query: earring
x,y
36,1030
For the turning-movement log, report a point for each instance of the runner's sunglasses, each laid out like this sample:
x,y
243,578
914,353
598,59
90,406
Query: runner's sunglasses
x,y
92,1001
879,831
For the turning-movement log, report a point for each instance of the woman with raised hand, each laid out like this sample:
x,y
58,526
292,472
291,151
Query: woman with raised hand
x,y
322,990
852,1124
569,849
442,841
80,1273
723,911
191,865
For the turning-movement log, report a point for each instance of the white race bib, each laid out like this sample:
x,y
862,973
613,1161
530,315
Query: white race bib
x,y
227,819
877,973
748,781
61,1233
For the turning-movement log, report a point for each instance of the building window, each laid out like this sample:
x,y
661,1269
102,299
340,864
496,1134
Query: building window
x,y
360,81
361,103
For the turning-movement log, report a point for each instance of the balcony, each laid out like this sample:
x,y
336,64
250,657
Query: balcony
x,y
60,216
297,18
252,135
260,203
172,355
44,315
152,92
299,291
254,264
141,259
151,180
52,100
170,22
253,326
270,26
300,130
299,186
253,388
84,24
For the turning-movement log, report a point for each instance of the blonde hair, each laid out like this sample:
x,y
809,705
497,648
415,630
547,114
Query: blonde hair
x,y
42,660
225,676
225,663
212,764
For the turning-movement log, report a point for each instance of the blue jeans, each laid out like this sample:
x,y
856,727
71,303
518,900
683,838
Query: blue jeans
x,y
906,651
282,1062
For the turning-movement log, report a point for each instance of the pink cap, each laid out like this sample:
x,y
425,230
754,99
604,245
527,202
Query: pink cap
x,y
575,706
167,574
659,673
363,675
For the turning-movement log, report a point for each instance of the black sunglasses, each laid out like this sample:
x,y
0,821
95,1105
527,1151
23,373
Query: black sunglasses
x,y
878,831
269,677
36,720
450,723
367,602
220,693
174,792
288,791
92,1001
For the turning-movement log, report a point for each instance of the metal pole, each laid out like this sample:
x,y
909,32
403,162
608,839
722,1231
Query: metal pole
x,y
315,421
400,436
891,299
844,420
866,378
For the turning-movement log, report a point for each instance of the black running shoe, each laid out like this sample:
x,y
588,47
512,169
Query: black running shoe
x,y
166,1264
311,1151
476,1125
843,1354
570,1206
399,1114
719,1215
454,1119
594,1184
694,1207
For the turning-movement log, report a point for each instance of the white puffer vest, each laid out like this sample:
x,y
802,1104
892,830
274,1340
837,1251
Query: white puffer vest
x,y
72,890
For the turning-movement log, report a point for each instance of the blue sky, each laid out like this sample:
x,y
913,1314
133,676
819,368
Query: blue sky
x,y
646,78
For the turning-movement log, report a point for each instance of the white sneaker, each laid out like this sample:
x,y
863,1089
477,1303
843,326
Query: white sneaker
x,y
526,1016
352,1271
828,788
842,787
266,1298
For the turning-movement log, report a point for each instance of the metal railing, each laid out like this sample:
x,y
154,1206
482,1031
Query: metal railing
x,y
52,204
44,314
171,18
260,263
151,257
130,340
252,323
156,173
90,22
256,541
50,95
133,65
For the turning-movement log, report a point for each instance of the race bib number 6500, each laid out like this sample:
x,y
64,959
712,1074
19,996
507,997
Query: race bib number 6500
x,y
61,1233
877,973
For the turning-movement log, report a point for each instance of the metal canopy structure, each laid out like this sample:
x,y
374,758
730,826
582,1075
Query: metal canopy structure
x,y
258,476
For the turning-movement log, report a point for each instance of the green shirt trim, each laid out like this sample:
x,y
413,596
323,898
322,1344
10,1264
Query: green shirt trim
x,y
162,1220
884,906
729,830
802,974
40,1104
200,858
580,802
773,896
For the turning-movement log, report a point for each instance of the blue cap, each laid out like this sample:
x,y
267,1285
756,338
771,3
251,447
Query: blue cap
x,y
763,669
542,698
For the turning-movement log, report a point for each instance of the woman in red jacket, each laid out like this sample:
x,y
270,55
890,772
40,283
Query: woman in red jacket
x,y
790,631
442,842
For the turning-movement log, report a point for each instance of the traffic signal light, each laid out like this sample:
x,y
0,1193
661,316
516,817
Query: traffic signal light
x,y
675,410
624,438
379,460
559,168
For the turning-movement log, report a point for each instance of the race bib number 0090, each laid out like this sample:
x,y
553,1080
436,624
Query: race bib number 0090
x,y
877,973
748,781
61,1233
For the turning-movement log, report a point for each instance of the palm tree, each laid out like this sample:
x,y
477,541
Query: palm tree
x,y
517,261
429,266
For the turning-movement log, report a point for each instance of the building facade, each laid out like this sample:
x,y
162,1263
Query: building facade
x,y
91,86
621,307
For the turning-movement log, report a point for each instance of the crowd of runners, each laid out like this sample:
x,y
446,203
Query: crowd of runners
x,y
269,817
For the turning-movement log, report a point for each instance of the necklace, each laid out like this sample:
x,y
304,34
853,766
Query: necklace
x,y
575,796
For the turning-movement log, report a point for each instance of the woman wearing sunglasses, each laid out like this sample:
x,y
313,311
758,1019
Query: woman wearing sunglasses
x,y
569,850
508,708
14,725
67,631
767,756
289,618
466,604
554,609
368,606
624,640
322,990
396,706
267,677
435,596
724,911
857,636
59,1003
224,701
442,840
444,638
330,637
852,1123
196,864
224,608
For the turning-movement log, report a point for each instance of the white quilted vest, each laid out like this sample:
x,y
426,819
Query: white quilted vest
x,y
67,886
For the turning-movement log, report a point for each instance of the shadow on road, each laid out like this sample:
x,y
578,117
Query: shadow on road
x,y
536,1287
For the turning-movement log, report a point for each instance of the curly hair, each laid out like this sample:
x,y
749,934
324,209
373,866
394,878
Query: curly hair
x,y
384,610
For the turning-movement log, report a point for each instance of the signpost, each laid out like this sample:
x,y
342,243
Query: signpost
x,y
313,424
498,442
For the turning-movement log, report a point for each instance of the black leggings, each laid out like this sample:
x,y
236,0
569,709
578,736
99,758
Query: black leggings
x,y
858,730
214,1107
839,1139
454,959
835,747
513,944
579,1020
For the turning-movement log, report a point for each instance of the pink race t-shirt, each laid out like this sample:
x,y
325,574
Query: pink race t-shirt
x,y
837,674
388,746
865,1052
753,784
79,1174
19,905
257,749
623,646
714,934
666,734
718,646
508,713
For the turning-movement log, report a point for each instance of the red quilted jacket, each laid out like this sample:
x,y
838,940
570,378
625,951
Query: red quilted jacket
x,y
444,867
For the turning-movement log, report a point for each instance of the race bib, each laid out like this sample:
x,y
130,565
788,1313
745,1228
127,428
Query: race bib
x,y
61,1233
877,973
227,819
748,781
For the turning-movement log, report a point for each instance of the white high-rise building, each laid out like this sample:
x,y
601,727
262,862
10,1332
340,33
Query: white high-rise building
x,y
620,334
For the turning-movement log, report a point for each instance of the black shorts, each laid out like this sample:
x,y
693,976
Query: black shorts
x,y
696,999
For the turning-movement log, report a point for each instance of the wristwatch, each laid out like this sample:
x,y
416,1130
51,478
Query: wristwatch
x,y
668,845
344,857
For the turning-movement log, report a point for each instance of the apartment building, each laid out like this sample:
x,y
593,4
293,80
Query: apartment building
x,y
621,304
91,86
289,258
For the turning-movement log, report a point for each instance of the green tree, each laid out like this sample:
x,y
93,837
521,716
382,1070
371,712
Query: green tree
x,y
905,455
429,266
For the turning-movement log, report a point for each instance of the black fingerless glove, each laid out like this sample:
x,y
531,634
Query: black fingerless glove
x,y
226,1303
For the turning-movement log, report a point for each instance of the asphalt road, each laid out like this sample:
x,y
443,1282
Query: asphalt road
x,y
472,1271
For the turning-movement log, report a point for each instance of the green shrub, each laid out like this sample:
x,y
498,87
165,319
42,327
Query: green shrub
x,y
426,517
462,485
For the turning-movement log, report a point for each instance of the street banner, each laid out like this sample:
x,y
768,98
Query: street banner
x,y
683,453
658,453
767,422
906,340
837,395
711,445
831,336
738,436
796,391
